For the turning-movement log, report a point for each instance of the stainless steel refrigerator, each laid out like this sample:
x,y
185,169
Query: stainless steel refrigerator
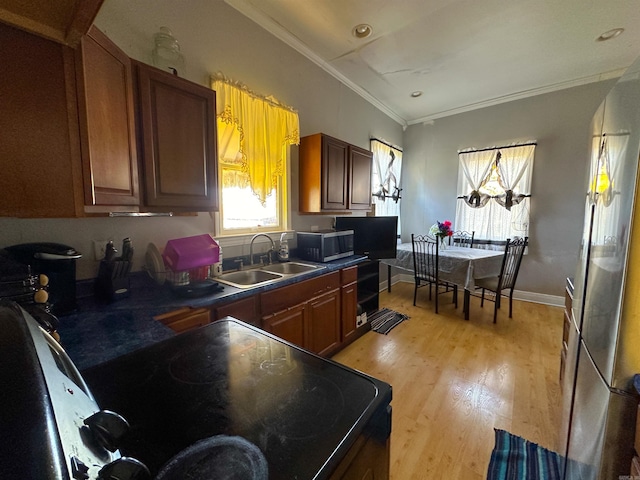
x,y
604,345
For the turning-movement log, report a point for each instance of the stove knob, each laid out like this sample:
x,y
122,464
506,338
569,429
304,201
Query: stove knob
x,y
125,468
107,428
79,471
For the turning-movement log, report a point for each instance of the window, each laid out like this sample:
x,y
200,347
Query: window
x,y
387,166
254,135
241,210
494,192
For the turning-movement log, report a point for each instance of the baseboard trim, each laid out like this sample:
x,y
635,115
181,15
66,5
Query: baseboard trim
x,y
553,300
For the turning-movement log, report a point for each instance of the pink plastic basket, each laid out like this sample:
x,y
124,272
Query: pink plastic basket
x,y
191,252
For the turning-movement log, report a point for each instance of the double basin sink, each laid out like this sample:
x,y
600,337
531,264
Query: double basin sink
x,y
266,274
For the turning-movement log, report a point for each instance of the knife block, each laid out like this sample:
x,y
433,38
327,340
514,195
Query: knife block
x,y
112,282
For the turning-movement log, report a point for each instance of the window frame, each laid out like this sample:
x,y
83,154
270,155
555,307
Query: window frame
x,y
282,203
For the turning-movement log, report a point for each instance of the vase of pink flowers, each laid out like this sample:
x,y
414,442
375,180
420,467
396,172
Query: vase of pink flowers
x,y
442,231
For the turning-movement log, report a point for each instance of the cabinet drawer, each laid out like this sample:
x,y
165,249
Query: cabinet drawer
x,y
185,319
348,275
284,297
245,310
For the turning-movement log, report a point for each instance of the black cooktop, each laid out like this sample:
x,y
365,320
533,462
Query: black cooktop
x,y
229,378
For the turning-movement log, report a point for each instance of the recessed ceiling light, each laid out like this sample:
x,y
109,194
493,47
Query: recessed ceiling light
x,y
610,34
362,31
416,94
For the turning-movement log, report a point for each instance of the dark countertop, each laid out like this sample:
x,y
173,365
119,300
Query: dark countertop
x,y
99,332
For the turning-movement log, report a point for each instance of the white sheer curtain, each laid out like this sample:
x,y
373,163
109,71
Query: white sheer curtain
x,y
387,168
494,190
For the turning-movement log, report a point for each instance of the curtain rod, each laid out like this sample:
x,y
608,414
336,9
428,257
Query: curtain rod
x,y
385,143
498,148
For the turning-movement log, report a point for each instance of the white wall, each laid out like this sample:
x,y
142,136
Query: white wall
x,y
214,37
559,122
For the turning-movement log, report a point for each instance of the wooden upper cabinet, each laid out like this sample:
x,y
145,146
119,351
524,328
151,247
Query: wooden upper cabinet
x,y
64,21
39,149
335,163
334,175
178,142
360,162
107,124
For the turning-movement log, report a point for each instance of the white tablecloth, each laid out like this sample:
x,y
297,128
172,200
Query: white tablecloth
x,y
458,265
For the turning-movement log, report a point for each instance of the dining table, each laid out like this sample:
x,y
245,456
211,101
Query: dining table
x,y
458,265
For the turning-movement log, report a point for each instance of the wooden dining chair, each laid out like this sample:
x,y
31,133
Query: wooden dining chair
x,y
425,268
506,280
461,238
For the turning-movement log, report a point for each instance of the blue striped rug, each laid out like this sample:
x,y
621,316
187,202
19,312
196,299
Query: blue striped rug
x,y
514,458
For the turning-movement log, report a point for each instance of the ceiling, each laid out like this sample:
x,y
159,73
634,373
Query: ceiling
x,y
461,54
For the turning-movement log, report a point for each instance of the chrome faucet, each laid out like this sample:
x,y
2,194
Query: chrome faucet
x,y
272,249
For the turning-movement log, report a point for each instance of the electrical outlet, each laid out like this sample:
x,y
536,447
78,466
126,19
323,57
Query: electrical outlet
x,y
99,249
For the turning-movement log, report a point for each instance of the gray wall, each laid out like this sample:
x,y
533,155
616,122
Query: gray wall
x,y
559,122
214,37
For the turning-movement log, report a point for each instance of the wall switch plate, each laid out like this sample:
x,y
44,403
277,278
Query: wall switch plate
x,y
99,249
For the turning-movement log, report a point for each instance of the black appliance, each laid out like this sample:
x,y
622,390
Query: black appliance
x,y
52,428
324,245
376,237
56,261
18,284
302,412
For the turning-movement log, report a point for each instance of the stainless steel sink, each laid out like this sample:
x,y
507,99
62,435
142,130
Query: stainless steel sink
x,y
290,268
266,274
248,278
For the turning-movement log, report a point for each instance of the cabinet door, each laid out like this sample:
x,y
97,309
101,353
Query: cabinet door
x,y
39,145
324,323
349,309
360,178
107,124
334,173
178,141
245,310
288,324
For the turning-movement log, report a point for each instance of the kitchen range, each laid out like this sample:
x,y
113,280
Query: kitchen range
x,y
221,397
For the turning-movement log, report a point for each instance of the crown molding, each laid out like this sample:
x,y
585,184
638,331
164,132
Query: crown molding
x,y
520,95
275,29
279,32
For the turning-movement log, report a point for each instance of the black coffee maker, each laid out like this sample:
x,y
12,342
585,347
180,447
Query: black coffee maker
x,y
56,261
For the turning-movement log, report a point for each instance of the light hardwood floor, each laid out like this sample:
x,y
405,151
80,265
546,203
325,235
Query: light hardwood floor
x,y
454,381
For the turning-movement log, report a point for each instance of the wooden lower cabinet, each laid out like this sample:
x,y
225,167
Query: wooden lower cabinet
x,y
185,318
349,303
324,323
314,325
288,324
318,314
245,310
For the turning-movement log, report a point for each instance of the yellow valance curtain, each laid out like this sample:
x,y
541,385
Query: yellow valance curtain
x,y
265,129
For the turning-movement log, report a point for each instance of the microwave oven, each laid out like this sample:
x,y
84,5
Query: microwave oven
x,y
325,245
